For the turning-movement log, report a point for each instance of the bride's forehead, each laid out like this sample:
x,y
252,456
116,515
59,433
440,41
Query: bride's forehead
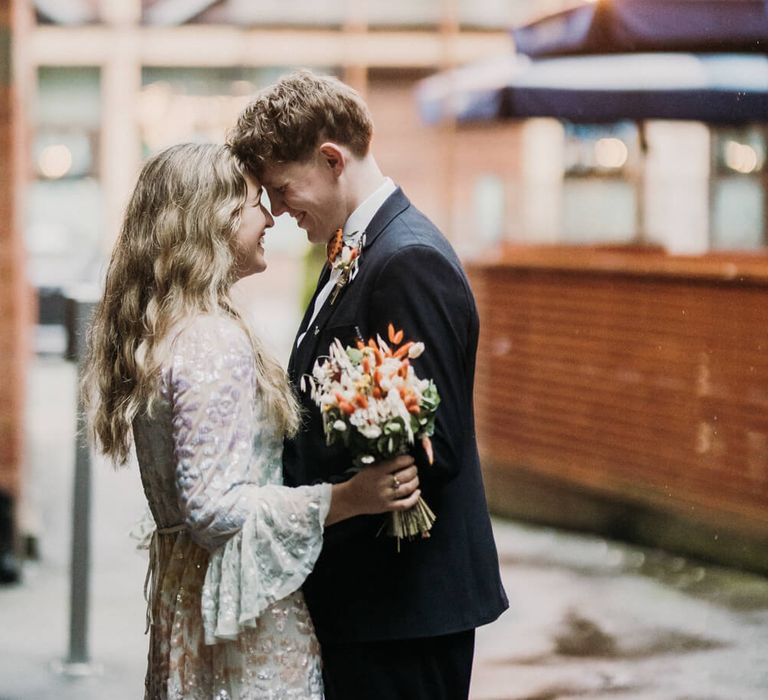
x,y
253,183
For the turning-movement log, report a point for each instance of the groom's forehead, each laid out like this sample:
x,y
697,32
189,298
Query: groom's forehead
x,y
272,175
277,174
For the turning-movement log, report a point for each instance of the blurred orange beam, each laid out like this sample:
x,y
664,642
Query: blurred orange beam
x,y
450,33
356,26
216,46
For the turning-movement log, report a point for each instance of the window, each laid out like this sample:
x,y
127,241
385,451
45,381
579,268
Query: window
x,y
738,194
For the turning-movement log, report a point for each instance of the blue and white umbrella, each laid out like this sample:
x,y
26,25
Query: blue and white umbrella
x,y
640,26
713,88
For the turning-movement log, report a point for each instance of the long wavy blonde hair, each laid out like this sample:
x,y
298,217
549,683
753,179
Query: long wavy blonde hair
x,y
174,258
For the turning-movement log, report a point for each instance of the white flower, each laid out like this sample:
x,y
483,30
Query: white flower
x,y
370,431
382,345
367,459
340,426
415,350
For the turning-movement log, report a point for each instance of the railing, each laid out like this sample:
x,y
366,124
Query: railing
x,y
635,379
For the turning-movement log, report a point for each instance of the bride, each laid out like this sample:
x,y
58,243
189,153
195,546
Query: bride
x,y
174,368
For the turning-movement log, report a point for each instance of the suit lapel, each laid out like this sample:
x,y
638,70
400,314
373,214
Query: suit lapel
x,y
306,353
394,205
324,275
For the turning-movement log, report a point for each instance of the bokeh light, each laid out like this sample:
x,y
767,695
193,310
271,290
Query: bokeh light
x,y
55,161
741,157
611,152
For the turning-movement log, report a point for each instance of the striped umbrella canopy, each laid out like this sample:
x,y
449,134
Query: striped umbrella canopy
x,y
713,88
629,26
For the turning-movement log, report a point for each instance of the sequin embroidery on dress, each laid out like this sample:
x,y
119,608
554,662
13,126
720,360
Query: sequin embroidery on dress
x,y
228,619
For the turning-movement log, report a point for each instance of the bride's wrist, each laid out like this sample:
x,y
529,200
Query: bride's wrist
x,y
343,504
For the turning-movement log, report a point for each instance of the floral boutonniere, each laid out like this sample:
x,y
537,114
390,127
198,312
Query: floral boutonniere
x,y
345,259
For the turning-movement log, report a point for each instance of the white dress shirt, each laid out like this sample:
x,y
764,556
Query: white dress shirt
x,y
353,230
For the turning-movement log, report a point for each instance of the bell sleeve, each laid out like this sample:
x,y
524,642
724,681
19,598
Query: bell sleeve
x,y
264,538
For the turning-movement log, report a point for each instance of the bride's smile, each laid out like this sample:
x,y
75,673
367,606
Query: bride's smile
x,y
255,219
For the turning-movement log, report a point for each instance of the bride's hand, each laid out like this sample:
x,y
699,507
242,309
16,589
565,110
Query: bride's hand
x,y
383,487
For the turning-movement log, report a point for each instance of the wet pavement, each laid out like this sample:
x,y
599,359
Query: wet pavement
x,y
588,618
591,618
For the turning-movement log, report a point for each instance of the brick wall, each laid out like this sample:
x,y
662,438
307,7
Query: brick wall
x,y
623,392
407,150
439,169
14,291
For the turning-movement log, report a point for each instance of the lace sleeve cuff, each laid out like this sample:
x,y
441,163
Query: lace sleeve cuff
x,y
267,560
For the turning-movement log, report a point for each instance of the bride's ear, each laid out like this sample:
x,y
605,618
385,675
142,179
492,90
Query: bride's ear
x,y
334,157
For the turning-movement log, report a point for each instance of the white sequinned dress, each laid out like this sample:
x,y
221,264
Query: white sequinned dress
x,y
232,545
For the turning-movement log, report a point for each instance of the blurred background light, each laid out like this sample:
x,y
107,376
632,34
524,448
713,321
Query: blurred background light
x,y
55,161
611,152
741,157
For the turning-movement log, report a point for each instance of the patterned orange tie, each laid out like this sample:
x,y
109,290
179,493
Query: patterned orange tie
x,y
334,246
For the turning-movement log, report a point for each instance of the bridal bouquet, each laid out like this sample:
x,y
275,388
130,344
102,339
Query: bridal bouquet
x,y
372,401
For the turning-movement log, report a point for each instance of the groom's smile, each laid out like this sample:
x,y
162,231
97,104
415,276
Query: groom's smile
x,y
309,192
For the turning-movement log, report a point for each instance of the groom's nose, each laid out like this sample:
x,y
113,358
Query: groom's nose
x,y
277,204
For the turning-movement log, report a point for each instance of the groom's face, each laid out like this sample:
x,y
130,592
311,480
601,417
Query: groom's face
x,y
309,192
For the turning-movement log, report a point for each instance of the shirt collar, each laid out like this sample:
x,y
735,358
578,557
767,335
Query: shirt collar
x,y
360,218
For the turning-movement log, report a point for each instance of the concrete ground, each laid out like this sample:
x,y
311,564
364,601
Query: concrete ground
x,y
589,618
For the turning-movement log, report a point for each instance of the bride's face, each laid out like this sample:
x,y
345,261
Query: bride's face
x,y
310,193
254,222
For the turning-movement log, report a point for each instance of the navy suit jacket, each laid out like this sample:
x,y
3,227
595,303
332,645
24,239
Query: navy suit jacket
x,y
362,588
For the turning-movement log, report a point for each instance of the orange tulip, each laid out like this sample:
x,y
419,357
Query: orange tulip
x,y
395,337
403,351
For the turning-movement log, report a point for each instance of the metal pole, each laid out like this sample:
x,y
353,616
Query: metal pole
x,y
79,306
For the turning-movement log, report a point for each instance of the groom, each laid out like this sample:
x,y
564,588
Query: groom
x,y
393,625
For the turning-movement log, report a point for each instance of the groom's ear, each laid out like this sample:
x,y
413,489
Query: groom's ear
x,y
333,156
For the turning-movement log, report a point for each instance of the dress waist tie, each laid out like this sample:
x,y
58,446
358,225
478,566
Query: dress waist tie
x,y
150,582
